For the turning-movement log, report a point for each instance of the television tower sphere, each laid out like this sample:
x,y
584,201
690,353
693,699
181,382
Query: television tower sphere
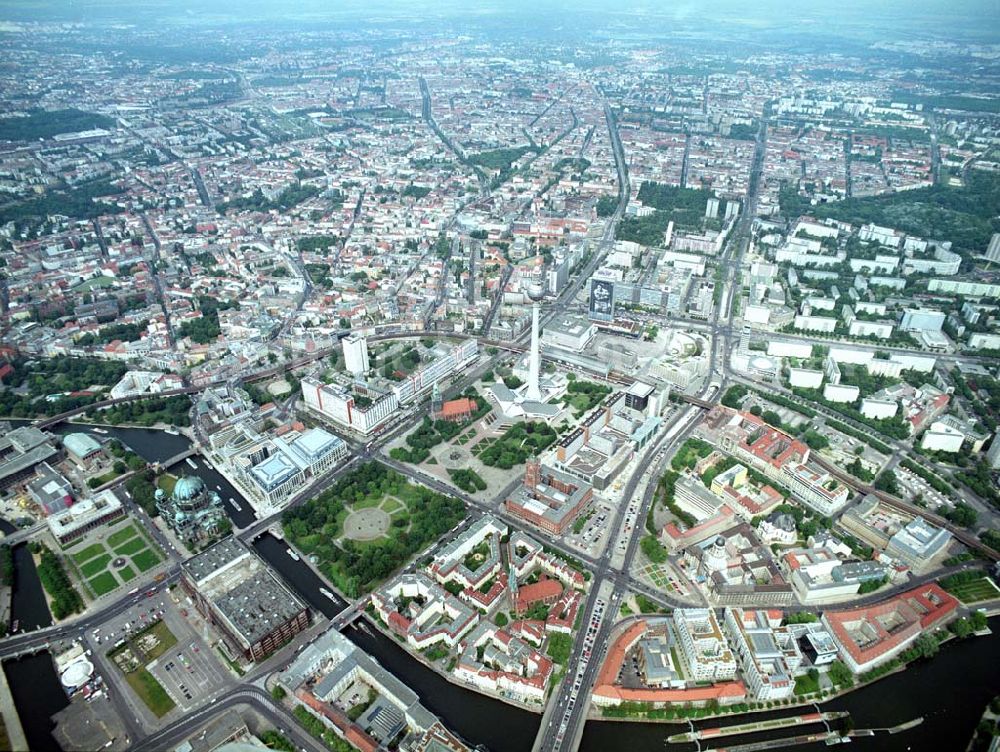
x,y
536,292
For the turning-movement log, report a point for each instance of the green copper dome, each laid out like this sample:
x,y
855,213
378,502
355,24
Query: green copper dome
x,y
188,488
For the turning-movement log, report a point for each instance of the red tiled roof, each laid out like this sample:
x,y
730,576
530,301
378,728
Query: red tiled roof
x,y
455,407
539,591
916,610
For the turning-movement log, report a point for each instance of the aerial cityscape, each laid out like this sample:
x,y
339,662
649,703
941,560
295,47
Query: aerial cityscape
x,y
500,376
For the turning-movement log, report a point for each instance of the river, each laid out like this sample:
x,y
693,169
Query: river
x,y
950,691
298,574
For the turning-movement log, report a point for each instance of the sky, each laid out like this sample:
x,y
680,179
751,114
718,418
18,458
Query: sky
x,y
935,17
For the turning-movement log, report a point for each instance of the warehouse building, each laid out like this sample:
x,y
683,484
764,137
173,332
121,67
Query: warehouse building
x,y
237,593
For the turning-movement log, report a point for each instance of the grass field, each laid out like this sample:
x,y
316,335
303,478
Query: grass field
x,y
982,589
88,553
133,546
107,477
367,503
120,536
150,692
391,506
90,284
95,565
145,560
104,583
126,573
166,482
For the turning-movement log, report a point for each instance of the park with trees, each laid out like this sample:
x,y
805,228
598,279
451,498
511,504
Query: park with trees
x,y
356,567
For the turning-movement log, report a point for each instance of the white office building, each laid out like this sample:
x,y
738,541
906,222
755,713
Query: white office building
x,y
768,653
288,463
706,653
917,543
569,333
355,353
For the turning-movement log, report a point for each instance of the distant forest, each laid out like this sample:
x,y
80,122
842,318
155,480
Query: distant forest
x,y
46,124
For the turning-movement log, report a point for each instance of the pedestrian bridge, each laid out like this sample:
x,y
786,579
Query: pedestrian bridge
x,y
160,465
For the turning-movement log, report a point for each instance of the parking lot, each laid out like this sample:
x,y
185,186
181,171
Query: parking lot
x,y
190,670
913,485
593,535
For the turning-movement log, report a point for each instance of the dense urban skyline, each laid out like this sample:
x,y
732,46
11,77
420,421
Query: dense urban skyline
x,y
439,376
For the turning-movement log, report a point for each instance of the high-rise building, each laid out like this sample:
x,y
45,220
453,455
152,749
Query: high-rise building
x,y
355,353
993,249
712,208
533,391
993,453
602,300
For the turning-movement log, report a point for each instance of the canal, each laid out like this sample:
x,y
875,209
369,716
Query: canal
x,y
28,607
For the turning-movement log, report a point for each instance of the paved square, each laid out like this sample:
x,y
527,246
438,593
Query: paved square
x,y
366,524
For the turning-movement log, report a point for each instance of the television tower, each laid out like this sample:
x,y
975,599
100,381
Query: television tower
x,y
533,392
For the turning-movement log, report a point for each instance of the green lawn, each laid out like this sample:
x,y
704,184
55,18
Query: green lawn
x,y
120,536
805,685
104,583
107,477
90,284
146,560
367,503
166,482
133,546
88,553
150,691
126,573
678,666
95,565
390,506
975,591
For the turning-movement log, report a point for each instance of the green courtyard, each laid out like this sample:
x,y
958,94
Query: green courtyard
x,y
94,559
